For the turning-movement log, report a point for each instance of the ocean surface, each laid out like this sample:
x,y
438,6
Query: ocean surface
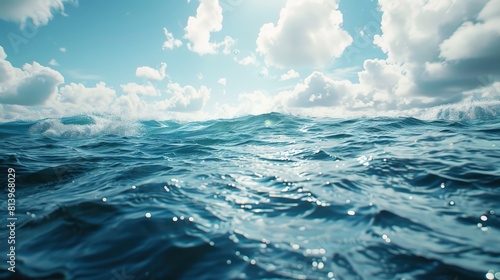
x,y
271,196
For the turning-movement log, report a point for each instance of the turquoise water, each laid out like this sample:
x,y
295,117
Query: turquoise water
x,y
258,197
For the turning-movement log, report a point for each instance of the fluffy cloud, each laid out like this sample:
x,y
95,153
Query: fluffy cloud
x,y
208,19
291,74
248,60
253,103
171,42
386,86
413,30
432,50
226,45
40,11
463,44
317,90
185,98
308,33
34,84
147,89
380,75
150,73
87,98
17,112
131,105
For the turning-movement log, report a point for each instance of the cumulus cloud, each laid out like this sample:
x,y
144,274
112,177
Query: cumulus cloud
x,y
248,60
463,44
87,98
171,42
33,84
151,73
40,12
432,50
185,98
198,30
208,19
254,103
131,105
317,90
413,30
381,76
62,50
17,112
308,33
226,45
291,74
134,88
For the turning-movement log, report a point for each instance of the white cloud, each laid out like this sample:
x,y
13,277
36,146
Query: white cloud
x,y
185,98
147,89
208,19
248,60
308,33
17,112
463,44
53,62
226,45
87,98
317,90
33,84
171,42
386,86
40,11
222,81
254,103
150,73
131,105
380,75
291,74
62,50
413,30
433,52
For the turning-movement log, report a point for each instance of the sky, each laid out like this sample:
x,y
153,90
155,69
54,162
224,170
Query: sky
x,y
205,59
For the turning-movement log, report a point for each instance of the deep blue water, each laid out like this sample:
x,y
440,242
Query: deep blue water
x,y
258,197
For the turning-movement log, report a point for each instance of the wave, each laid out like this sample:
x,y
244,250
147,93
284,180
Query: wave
x,y
92,125
85,126
269,196
470,110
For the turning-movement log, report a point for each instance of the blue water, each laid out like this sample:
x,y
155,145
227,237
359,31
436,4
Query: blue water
x,y
258,197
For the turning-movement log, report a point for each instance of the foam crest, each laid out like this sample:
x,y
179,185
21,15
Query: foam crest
x,y
86,126
471,110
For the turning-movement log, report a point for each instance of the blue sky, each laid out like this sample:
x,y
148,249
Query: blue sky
x,y
224,58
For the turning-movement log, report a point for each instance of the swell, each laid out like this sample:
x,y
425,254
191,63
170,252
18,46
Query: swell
x,y
269,196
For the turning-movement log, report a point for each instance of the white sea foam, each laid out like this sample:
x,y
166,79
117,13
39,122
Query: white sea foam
x,y
470,110
86,126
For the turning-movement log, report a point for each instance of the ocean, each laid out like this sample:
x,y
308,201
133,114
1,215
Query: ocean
x,y
271,196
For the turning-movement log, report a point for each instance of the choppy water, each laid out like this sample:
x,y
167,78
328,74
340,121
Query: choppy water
x,y
258,197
